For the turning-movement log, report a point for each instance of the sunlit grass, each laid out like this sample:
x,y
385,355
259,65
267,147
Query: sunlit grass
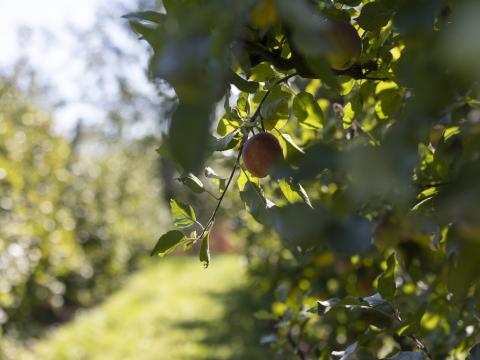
x,y
172,310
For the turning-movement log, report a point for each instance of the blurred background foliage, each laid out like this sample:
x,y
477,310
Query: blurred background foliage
x,y
74,217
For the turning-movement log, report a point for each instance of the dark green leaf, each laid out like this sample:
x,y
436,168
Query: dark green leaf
x,y
375,300
374,16
146,31
189,136
255,202
390,101
242,84
425,13
167,243
386,281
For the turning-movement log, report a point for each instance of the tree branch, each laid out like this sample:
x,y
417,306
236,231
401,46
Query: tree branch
x,y
257,114
220,199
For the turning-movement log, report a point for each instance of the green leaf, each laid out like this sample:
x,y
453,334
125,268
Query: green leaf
x,y
176,6
375,300
149,16
413,321
227,142
189,135
294,192
262,72
228,123
275,107
167,243
374,16
307,111
386,280
255,202
243,104
183,214
146,31
205,250
193,183
292,150
390,101
291,195
301,191
242,84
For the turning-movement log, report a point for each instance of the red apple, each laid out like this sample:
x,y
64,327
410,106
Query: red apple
x,y
260,152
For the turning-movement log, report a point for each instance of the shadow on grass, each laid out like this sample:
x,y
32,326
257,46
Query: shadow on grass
x,y
238,329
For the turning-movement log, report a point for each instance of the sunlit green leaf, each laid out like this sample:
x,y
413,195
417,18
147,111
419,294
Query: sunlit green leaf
x,y
168,242
183,214
307,111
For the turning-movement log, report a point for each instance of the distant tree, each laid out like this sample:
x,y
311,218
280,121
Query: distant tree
x,y
71,224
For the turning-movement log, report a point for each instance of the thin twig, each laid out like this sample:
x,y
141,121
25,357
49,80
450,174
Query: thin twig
x,y
212,218
261,123
370,136
256,114
419,343
211,194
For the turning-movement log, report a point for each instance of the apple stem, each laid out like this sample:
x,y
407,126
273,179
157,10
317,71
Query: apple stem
x,y
261,123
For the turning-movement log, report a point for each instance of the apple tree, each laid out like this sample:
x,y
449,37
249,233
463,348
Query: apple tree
x,y
351,129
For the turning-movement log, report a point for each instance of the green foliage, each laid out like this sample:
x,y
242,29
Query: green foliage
x,y
379,187
386,280
71,223
168,242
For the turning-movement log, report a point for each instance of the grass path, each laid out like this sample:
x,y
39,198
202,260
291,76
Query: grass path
x,y
172,310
